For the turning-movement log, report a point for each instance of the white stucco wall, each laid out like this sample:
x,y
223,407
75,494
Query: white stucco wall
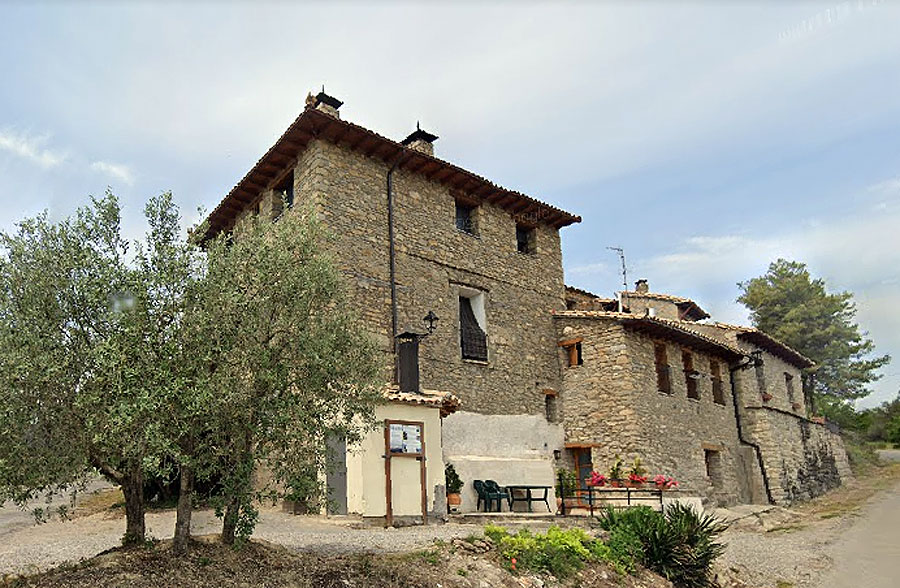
x,y
365,467
510,449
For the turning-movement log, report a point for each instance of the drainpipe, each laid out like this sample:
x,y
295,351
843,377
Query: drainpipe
x,y
393,259
737,417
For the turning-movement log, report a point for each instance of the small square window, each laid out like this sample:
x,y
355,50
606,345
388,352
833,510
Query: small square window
x,y
465,218
525,239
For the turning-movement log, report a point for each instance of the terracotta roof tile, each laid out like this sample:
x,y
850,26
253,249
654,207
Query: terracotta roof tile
x,y
447,402
681,327
314,124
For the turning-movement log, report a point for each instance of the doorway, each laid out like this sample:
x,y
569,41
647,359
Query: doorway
x,y
584,466
336,475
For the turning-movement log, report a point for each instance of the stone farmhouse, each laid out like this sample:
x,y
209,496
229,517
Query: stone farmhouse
x,y
533,376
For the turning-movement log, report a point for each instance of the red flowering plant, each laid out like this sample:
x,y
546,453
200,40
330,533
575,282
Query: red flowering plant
x,y
598,479
664,482
636,480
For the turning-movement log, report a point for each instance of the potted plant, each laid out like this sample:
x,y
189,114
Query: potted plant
x,y
664,482
615,473
454,485
637,474
598,479
766,397
566,483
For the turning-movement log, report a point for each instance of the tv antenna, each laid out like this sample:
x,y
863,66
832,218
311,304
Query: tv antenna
x,y
621,253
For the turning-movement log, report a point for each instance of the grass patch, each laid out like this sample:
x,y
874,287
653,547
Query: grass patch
x,y
786,528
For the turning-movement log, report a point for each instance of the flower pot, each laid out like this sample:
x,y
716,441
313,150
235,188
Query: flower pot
x,y
454,499
635,484
615,483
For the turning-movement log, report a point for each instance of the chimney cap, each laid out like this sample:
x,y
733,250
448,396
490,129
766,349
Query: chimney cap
x,y
642,286
323,98
419,135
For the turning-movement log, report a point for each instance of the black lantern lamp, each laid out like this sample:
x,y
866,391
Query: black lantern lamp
x,y
431,320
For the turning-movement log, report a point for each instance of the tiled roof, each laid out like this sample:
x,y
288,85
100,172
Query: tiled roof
x,y
699,313
447,402
769,343
313,124
676,330
575,290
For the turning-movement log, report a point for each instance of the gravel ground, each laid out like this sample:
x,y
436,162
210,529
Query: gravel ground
x,y
39,547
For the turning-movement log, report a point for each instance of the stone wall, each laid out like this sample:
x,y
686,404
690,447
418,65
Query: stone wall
x,y
612,402
803,459
434,261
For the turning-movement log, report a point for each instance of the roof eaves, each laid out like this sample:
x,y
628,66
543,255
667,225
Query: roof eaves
x,y
312,123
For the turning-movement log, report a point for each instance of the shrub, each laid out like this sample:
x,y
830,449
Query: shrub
x,y
678,544
558,552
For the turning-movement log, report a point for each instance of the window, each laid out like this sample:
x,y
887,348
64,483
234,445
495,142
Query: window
x,y
760,378
465,218
256,208
663,381
573,351
472,335
525,239
713,462
285,190
690,375
550,406
718,391
789,386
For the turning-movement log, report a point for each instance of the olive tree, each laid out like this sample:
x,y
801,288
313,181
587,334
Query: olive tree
x,y
280,362
74,347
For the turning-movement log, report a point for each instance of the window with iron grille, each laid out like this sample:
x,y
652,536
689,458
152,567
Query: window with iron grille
x,y
465,218
718,390
525,239
663,381
472,336
690,375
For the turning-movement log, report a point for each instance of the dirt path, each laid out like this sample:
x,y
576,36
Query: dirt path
x,y
868,554
848,538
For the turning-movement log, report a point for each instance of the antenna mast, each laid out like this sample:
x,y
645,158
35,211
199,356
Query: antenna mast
x,y
621,253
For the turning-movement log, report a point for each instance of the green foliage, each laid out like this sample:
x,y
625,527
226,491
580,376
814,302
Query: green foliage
x,y
569,482
678,544
637,468
279,362
558,552
616,469
453,481
790,305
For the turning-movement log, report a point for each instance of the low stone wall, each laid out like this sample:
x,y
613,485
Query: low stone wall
x,y
803,459
510,449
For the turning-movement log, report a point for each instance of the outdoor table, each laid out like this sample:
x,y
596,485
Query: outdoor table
x,y
529,498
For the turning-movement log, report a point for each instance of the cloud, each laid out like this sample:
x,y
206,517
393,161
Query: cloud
x,y
30,147
116,171
588,269
859,253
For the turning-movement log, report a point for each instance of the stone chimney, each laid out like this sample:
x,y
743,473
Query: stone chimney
x,y
421,141
327,104
641,286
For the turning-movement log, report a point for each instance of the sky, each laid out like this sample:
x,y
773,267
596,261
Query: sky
x,y
705,139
